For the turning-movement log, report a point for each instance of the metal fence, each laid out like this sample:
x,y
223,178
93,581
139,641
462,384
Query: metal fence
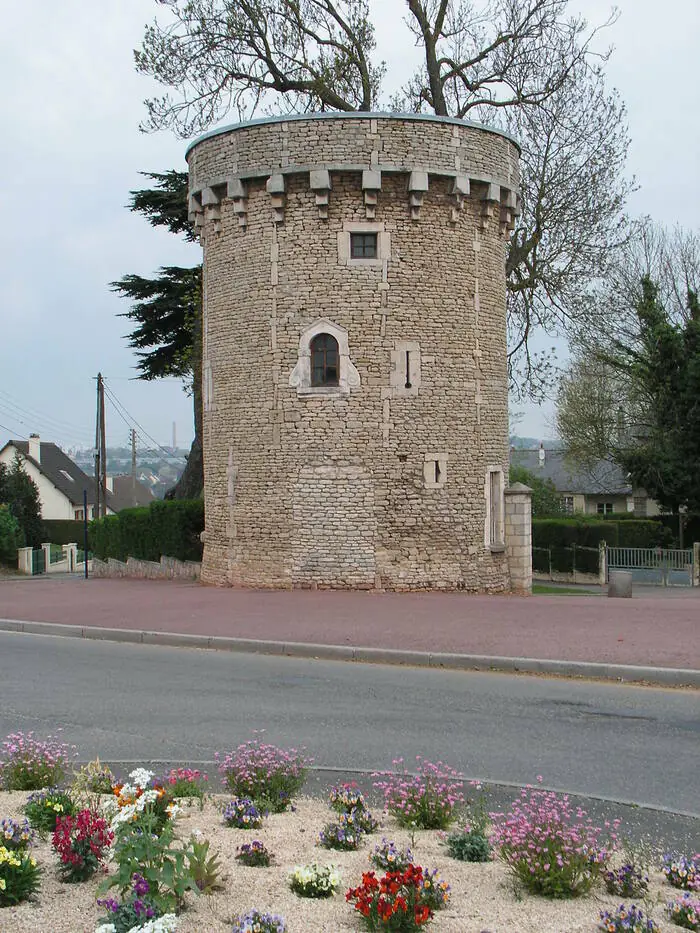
x,y
660,566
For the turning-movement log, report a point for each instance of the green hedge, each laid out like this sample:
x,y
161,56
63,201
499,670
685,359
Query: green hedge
x,y
163,529
565,559
585,532
64,531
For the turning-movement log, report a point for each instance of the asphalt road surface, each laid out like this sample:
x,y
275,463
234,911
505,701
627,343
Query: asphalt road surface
x,y
142,703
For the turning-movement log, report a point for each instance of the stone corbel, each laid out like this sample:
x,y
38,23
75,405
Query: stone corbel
x,y
371,186
276,187
237,192
195,214
490,202
459,191
320,184
417,186
508,208
211,205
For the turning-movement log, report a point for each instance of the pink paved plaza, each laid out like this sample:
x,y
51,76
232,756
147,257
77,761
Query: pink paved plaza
x,y
654,629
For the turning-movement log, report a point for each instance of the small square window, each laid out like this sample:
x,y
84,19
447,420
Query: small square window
x,y
363,245
604,508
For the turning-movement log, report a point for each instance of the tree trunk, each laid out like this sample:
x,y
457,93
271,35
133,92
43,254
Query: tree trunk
x,y
191,483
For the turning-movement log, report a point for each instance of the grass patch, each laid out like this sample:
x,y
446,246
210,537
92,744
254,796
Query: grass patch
x,y
542,589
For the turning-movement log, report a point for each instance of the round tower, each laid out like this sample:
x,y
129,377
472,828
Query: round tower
x,y
354,351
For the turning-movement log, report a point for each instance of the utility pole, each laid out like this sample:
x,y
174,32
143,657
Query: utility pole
x,y
103,445
133,466
98,469
100,452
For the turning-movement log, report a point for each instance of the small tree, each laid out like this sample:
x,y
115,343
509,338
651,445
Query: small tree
x,y
20,494
167,311
545,498
9,536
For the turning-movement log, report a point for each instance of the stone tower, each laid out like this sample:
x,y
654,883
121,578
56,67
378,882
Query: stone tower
x,y
354,352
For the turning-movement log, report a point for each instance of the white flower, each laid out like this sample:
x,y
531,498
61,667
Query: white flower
x,y
106,928
166,924
141,777
109,806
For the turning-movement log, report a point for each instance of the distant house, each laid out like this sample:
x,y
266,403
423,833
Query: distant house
x,y
601,489
61,481
128,492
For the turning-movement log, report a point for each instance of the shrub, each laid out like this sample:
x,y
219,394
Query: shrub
x,y
626,920
161,864
468,845
547,848
141,795
19,876
254,854
626,881
682,872
44,808
396,902
81,842
390,857
268,775
435,892
426,800
64,531
16,836
685,912
343,834
346,797
30,764
241,813
139,911
10,536
257,922
91,780
314,880
169,528
184,782
204,868
137,907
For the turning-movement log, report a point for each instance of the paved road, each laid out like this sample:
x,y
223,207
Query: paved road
x,y
647,631
143,702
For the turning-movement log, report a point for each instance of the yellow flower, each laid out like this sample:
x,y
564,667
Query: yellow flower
x,y
3,884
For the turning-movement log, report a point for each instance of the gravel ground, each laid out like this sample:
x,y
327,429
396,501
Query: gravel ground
x,y
482,898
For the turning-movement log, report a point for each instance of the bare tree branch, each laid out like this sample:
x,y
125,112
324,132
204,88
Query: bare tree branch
x,y
221,55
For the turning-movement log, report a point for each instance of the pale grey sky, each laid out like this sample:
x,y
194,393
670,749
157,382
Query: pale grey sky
x,y
70,110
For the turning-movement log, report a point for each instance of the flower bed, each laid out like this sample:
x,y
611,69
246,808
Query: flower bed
x,y
481,898
141,863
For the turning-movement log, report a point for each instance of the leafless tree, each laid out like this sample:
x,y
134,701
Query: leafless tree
x,y
243,55
524,65
574,147
498,53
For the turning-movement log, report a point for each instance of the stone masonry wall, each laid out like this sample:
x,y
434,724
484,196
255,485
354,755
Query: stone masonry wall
x,y
384,480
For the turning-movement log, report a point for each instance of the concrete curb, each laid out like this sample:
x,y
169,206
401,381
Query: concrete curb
x,y
659,676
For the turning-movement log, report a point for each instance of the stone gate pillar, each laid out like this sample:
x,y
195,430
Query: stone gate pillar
x,y
519,537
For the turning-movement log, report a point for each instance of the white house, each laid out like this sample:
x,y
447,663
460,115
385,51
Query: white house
x,y
60,482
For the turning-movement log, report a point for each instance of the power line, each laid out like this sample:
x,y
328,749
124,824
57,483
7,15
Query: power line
x,y
11,432
141,431
34,414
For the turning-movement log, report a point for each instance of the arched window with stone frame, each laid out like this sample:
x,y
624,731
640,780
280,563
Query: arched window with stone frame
x,y
324,367
325,360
